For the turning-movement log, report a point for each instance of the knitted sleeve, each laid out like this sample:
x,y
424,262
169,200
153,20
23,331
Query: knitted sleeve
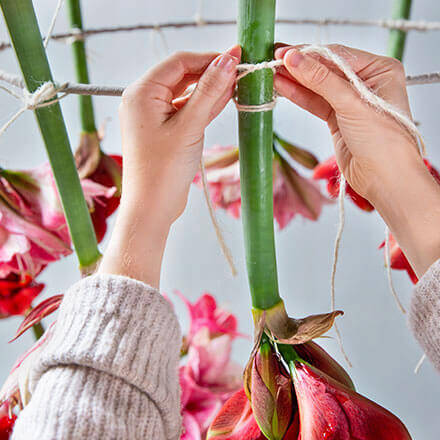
x,y
424,316
110,369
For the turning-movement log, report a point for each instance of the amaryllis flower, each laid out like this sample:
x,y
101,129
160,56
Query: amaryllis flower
x,y
92,163
205,313
329,410
329,171
108,174
235,421
33,229
7,422
15,390
223,177
398,259
293,193
269,388
207,380
17,294
324,406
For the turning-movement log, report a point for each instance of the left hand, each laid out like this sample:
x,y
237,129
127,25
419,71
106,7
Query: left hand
x,y
162,143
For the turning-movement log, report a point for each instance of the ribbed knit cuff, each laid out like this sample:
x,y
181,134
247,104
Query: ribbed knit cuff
x,y
126,329
424,318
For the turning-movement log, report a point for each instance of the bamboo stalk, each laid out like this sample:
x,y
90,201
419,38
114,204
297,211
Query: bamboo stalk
x,y
397,38
256,21
26,39
82,73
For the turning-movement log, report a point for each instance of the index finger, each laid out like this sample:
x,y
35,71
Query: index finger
x,y
176,70
356,58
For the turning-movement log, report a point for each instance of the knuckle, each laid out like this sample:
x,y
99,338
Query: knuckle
x,y
317,74
130,94
209,85
179,55
397,66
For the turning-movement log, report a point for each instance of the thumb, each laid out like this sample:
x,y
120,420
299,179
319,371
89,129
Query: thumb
x,y
316,76
214,85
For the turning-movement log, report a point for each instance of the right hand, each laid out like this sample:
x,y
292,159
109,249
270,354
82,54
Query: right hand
x,y
376,154
366,141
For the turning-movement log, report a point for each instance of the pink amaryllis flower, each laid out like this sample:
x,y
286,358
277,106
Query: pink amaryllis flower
x,y
207,380
329,170
33,229
205,313
17,294
223,177
293,193
330,410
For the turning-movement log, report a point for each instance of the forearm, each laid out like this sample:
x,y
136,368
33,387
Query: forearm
x,y
137,244
114,352
408,199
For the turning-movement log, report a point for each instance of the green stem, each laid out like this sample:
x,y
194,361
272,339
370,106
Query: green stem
x,y
256,19
38,330
26,40
82,74
397,39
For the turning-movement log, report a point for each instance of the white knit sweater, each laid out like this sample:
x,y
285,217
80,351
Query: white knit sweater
x,y
111,369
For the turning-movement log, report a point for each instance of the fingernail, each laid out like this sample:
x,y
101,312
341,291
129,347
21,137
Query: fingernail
x,y
293,58
225,62
279,53
234,51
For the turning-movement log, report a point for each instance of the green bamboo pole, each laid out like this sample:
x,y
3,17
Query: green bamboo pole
x,y
397,38
26,40
256,19
82,74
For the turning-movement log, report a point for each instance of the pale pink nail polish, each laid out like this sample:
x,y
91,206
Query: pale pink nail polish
x,y
293,58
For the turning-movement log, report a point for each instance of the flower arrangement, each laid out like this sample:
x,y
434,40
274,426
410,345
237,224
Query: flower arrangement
x,y
291,388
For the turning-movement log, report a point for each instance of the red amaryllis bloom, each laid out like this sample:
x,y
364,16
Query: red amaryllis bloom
x,y
293,193
270,391
17,294
92,163
330,410
7,422
329,171
398,259
236,419
108,174
207,380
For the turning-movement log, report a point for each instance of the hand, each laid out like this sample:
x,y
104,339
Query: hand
x,y
163,132
378,157
365,140
162,143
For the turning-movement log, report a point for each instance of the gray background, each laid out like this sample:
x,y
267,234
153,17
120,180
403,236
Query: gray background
x,y
381,347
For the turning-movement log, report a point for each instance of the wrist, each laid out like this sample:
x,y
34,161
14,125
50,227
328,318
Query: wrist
x,y
137,245
408,199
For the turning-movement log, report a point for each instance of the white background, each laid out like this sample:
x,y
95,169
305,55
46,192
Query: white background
x,y
381,347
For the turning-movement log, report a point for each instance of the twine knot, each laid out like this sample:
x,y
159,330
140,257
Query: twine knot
x,y
46,92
